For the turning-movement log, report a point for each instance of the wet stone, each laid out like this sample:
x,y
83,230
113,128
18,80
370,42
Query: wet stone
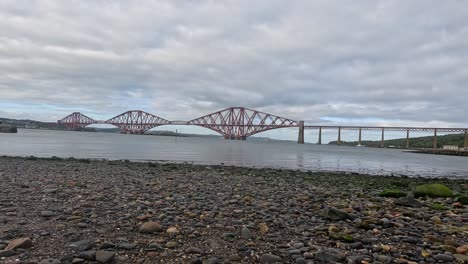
x,y
50,261
81,245
270,258
443,258
104,256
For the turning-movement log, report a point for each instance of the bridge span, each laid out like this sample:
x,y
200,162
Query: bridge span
x,y
238,123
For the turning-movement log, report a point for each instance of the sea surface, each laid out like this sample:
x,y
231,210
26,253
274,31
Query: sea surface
x,y
274,154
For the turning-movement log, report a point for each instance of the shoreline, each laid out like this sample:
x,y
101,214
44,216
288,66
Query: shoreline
x,y
223,165
82,210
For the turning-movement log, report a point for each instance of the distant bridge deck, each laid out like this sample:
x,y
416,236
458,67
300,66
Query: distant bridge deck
x,y
389,128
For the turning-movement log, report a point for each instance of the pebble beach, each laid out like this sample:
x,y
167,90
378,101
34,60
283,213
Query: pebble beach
x,y
99,211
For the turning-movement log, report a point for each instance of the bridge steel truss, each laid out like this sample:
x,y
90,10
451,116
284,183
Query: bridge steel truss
x,y
76,120
238,123
136,122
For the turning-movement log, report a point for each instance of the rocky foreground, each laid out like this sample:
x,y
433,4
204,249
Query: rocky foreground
x,y
80,211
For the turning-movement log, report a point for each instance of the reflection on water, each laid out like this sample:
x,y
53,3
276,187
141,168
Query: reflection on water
x,y
241,153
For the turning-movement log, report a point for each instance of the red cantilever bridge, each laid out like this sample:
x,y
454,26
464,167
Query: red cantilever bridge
x,y
237,123
232,123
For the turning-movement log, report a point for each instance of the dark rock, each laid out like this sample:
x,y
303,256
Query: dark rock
x,y
81,245
193,250
88,255
245,233
384,259
357,245
443,257
270,258
408,201
127,246
329,257
7,253
50,261
106,245
213,261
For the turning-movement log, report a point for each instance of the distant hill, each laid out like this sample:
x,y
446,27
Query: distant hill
x,y
418,142
27,123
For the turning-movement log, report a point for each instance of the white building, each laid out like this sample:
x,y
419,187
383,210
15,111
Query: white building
x,y
450,147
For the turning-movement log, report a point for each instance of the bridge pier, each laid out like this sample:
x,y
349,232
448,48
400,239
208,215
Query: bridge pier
x,y
360,137
234,138
382,143
320,136
300,139
407,138
466,139
434,145
339,136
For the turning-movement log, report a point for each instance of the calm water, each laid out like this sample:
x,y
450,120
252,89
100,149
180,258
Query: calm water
x,y
43,143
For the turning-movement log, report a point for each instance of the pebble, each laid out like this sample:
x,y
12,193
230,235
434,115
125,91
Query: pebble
x,y
172,230
24,242
87,255
50,261
7,253
245,233
193,250
270,258
443,258
81,245
104,256
47,213
150,227
171,244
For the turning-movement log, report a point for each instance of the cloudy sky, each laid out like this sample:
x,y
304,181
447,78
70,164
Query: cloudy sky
x,y
379,62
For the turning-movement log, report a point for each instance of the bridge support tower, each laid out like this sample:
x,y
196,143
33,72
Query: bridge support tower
x,y
466,139
360,136
434,145
339,136
300,138
382,143
319,142
407,138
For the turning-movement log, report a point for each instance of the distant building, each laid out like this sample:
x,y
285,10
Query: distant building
x,y
450,147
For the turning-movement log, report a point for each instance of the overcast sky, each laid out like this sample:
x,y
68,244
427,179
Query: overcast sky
x,y
381,62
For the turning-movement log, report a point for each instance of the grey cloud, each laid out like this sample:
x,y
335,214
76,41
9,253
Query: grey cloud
x,y
393,60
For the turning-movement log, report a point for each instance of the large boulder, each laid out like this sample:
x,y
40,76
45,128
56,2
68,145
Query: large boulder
x,y
432,190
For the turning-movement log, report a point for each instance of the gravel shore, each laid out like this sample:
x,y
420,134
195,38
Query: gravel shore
x,y
81,211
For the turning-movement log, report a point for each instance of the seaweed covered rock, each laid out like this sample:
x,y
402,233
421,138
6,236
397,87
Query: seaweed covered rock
x,y
433,190
463,199
392,193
